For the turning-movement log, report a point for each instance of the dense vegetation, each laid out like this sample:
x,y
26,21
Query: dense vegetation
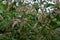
x,y
22,23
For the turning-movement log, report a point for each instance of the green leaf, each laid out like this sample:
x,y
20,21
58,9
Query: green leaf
x,y
47,5
1,11
58,23
57,37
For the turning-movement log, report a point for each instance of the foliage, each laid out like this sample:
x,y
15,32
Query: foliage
x,y
21,23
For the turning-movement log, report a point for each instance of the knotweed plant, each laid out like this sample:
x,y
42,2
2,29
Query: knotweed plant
x,y
29,20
